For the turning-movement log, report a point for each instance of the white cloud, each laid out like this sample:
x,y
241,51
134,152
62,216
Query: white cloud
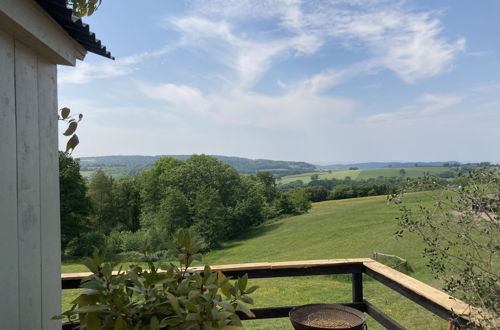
x,y
407,42
430,103
178,95
295,109
85,72
248,58
424,107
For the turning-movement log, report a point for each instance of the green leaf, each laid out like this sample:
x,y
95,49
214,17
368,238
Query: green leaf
x,y
120,323
71,128
154,323
93,322
246,299
226,306
174,302
245,309
65,112
72,143
107,270
242,282
224,284
91,309
251,289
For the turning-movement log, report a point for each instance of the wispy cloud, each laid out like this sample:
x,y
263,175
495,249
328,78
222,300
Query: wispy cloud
x,y
85,72
407,42
425,106
248,58
297,108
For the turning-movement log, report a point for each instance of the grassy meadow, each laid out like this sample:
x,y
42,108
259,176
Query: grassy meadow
x,y
411,172
350,228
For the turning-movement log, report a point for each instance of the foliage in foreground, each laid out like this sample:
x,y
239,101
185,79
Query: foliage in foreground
x,y
163,296
461,231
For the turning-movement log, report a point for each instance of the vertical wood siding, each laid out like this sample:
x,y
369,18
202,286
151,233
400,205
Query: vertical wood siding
x,y
28,187
49,186
9,271
30,290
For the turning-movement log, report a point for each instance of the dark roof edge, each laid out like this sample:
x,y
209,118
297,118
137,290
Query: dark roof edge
x,y
74,26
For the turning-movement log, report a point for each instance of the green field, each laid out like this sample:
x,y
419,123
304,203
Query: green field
x,y
349,228
411,172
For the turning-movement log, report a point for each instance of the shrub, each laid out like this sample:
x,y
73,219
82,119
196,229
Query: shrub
x,y
163,296
134,241
85,244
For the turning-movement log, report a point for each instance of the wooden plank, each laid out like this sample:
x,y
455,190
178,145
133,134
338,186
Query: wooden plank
x,y
9,272
248,267
49,198
382,318
33,26
28,186
422,289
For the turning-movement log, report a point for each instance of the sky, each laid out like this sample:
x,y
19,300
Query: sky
x,y
318,81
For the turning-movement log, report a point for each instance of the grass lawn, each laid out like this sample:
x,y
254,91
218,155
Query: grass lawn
x,y
350,228
411,172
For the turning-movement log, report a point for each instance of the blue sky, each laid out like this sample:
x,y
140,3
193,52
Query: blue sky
x,y
317,81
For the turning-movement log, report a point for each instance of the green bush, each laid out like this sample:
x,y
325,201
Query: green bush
x,y
84,245
134,241
114,243
163,296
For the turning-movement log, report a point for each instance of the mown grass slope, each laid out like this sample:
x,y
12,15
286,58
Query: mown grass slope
x,y
348,228
411,172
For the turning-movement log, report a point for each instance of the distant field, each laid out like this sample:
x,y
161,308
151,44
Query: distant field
x,y
411,172
349,228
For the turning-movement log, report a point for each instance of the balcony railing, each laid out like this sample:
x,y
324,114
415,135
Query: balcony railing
x,y
436,301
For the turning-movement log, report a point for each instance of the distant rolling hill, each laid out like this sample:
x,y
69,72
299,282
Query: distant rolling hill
x,y
363,166
118,166
409,172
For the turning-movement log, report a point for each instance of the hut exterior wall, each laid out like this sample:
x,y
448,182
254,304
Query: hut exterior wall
x,y
30,286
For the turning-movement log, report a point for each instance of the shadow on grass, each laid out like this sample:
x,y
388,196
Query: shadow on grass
x,y
252,233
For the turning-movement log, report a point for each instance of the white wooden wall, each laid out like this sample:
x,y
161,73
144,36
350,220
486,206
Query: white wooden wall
x,y
30,286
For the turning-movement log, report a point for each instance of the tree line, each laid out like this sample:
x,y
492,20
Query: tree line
x,y
333,189
201,193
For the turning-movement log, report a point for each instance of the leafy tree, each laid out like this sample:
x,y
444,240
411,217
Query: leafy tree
x,y
75,205
269,184
317,193
203,193
295,201
342,191
301,200
402,171
100,193
461,231
314,177
126,204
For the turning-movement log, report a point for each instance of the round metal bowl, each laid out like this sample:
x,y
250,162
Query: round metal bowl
x,y
326,316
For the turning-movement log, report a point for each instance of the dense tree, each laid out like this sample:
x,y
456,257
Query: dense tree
x,y
318,193
126,204
75,205
100,193
342,191
269,185
203,193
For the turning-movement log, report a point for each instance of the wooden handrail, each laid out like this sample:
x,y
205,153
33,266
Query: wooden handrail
x,y
255,266
430,298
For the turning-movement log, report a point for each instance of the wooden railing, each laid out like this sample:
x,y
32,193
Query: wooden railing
x,y
432,299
